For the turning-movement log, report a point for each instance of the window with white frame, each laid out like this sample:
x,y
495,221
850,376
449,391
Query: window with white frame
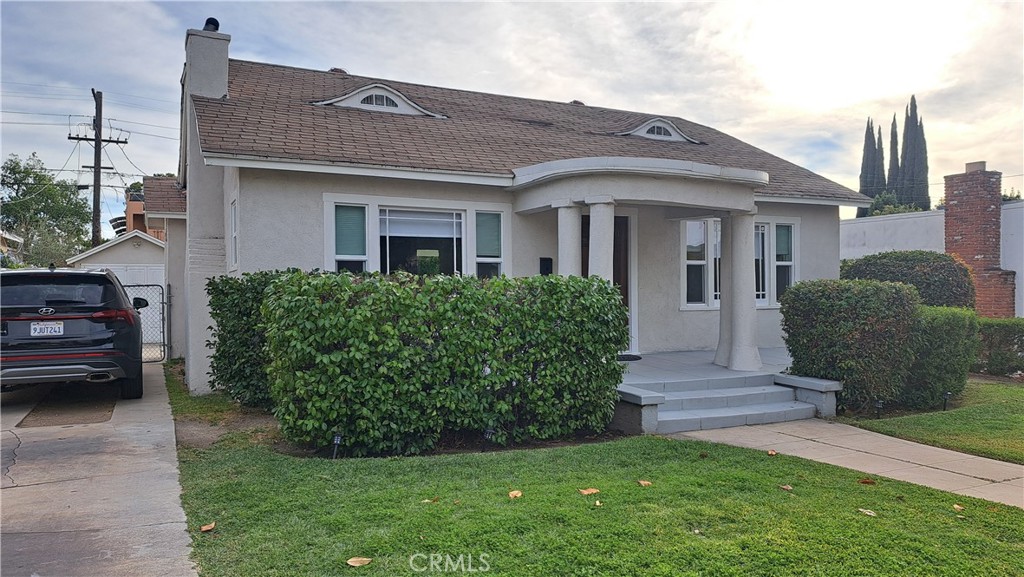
x,y
421,242
488,244
774,262
349,238
233,224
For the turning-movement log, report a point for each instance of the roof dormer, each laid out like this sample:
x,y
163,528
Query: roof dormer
x,y
379,98
659,129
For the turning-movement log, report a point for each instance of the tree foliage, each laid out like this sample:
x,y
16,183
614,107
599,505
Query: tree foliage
x,y
47,213
908,171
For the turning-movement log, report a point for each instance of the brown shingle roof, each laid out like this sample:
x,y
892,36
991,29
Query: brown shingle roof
x,y
163,195
271,113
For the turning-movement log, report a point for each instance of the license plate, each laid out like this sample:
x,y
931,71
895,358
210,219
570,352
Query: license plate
x,y
47,329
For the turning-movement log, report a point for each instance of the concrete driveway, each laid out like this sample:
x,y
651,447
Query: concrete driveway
x,y
98,499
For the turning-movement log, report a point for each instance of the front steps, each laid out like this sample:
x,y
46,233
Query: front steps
x,y
691,404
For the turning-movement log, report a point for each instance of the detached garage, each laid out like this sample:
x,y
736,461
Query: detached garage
x,y
138,261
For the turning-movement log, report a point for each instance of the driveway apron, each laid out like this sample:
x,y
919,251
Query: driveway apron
x,y
93,499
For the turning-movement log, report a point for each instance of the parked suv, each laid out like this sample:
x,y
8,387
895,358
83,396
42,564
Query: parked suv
x,y
69,325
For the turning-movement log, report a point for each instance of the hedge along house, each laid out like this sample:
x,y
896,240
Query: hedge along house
x,y
287,167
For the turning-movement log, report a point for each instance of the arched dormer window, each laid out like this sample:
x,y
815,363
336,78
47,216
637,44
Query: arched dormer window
x,y
659,129
379,100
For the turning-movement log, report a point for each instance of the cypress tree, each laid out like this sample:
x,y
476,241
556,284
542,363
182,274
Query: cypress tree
x,y
867,165
894,159
879,180
909,156
920,196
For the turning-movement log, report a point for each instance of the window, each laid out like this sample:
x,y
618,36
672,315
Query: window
x,y
420,242
379,100
488,244
774,262
350,238
233,248
659,131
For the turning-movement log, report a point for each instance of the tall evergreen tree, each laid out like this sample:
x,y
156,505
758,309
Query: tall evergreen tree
x,y
919,197
894,159
867,165
879,180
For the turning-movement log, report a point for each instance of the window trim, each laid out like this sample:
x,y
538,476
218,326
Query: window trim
x,y
233,242
373,205
770,267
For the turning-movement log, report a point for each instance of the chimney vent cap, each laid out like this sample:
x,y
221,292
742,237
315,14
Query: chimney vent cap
x,y
975,166
212,25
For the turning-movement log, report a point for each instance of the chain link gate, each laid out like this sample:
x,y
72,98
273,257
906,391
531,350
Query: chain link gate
x,y
154,344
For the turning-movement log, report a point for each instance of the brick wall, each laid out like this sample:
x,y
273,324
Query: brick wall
x,y
973,220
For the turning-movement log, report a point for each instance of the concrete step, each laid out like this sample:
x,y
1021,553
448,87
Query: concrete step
x,y
704,384
731,397
719,418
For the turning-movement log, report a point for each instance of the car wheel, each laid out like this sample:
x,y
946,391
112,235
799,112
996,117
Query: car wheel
x,y
131,388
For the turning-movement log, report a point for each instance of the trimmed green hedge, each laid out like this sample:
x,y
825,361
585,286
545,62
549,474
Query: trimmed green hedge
x,y
389,363
854,331
941,279
1002,346
945,346
237,365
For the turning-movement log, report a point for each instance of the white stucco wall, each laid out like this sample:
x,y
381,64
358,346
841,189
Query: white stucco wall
x,y
1012,249
910,231
125,253
175,279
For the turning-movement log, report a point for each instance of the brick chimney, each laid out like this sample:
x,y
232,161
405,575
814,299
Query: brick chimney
x,y
973,220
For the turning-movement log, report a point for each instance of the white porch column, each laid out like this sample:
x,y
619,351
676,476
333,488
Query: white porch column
x,y
743,355
570,251
602,236
724,350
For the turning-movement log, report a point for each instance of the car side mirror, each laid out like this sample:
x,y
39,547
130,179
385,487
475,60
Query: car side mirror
x,y
139,303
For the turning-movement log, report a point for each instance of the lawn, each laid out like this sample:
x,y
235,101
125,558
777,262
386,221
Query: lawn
x,y
987,420
709,510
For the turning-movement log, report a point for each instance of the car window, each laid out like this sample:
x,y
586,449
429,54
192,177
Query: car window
x,y
48,290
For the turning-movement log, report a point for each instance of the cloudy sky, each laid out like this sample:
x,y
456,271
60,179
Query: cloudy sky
x,y
798,79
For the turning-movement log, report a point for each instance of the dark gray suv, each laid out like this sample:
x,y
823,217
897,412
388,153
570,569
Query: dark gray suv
x,y
69,325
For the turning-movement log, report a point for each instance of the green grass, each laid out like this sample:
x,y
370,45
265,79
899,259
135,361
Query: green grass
x,y
212,408
711,510
987,420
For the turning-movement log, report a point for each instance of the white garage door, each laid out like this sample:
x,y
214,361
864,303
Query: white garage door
x,y
136,273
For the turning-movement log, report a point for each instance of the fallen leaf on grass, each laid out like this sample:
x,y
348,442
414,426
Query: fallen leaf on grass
x,y
590,491
359,561
434,500
644,483
696,531
867,481
703,455
515,494
960,517
208,528
868,512
958,507
772,452
786,487
598,503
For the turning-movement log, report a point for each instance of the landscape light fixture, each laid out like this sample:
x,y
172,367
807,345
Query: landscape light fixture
x,y
488,434
336,441
878,408
945,399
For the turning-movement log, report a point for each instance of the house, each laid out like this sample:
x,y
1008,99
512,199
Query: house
x,y
164,210
976,224
322,169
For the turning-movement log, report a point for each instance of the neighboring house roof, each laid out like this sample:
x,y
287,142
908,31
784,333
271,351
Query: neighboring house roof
x,y
163,195
278,113
135,234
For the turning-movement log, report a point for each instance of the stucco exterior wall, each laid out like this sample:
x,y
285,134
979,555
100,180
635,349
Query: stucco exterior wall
x,y
910,231
1012,249
175,296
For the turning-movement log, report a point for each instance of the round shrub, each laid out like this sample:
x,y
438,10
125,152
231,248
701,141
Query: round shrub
x,y
941,279
945,344
854,331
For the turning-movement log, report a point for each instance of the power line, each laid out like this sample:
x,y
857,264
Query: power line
x,y
142,123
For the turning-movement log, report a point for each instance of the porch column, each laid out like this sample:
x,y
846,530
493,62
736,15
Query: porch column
x,y
743,355
602,236
722,353
570,251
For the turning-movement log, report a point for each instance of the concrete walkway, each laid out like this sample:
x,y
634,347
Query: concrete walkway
x,y
99,499
877,454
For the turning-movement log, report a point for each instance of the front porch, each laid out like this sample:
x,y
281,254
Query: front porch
x,y
681,391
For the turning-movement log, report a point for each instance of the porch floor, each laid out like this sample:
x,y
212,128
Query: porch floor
x,y
675,366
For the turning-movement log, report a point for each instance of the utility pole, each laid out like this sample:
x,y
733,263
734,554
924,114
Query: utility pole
x,y
97,168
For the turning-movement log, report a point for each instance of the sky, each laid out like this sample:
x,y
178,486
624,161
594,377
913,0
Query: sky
x,y
798,79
